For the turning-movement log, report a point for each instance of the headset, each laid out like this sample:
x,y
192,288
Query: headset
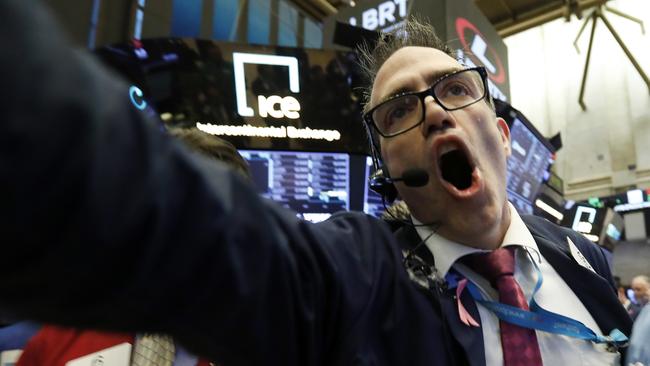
x,y
381,181
383,184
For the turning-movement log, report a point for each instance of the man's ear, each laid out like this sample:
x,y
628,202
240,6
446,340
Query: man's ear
x,y
505,135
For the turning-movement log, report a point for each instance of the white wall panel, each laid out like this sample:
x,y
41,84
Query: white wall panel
x,y
546,72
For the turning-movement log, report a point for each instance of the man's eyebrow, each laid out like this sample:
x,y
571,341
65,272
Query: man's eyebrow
x,y
394,92
435,76
431,78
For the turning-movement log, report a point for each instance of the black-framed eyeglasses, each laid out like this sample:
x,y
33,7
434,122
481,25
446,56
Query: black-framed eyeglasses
x,y
453,91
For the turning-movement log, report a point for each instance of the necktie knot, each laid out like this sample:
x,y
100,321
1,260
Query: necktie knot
x,y
494,265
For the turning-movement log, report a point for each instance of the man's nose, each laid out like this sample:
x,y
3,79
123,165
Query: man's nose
x,y
436,118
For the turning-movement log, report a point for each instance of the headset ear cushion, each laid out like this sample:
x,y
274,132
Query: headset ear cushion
x,y
382,185
390,193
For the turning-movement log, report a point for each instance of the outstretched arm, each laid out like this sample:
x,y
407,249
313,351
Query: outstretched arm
x,y
107,223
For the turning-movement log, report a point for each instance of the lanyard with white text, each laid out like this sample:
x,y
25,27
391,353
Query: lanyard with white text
x,y
544,320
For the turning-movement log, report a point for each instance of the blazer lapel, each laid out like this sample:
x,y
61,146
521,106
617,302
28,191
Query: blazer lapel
x,y
589,287
468,338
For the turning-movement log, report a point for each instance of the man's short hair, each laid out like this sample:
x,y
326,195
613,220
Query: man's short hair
x,y
396,215
413,32
212,147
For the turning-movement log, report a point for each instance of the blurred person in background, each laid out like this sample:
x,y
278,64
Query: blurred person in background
x,y
641,287
212,147
396,215
622,293
639,350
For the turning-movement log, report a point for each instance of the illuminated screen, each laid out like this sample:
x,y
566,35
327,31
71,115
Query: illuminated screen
x,y
613,232
527,166
256,97
315,185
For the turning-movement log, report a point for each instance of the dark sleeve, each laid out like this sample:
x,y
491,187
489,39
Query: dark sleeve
x,y
107,223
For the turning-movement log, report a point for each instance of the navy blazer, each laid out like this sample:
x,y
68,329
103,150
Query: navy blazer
x,y
595,290
108,223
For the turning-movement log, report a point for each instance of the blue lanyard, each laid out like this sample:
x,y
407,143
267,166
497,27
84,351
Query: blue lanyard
x,y
544,320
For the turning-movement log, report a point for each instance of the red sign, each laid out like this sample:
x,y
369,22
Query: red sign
x,y
496,72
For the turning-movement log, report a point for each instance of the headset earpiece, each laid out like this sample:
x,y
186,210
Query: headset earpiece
x,y
380,183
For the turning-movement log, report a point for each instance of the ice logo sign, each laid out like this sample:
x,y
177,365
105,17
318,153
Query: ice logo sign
x,y
275,106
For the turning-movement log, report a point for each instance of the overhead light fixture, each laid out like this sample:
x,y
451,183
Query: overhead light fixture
x,y
548,209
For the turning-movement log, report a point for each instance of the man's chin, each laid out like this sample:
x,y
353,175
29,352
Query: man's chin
x,y
474,224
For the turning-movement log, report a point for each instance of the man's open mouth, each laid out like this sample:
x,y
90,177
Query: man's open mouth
x,y
457,168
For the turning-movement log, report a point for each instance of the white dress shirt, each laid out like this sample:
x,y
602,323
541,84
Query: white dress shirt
x,y
554,295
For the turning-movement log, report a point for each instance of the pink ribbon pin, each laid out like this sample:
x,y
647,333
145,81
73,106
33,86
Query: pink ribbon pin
x,y
464,315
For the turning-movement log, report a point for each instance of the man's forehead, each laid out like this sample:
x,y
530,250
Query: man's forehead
x,y
411,68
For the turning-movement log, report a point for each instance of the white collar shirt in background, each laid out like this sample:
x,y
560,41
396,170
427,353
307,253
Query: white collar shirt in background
x,y
554,295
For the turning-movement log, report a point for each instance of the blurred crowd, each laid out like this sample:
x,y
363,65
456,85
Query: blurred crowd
x,y
635,299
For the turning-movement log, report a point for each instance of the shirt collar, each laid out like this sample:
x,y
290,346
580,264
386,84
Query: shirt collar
x,y
446,252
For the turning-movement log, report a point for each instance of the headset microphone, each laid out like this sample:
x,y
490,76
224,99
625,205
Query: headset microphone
x,y
413,178
383,184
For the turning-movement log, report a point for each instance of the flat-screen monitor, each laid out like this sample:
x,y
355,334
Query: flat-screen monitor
x,y
315,185
612,231
527,166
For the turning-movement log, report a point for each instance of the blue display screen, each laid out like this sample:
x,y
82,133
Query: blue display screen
x,y
313,184
527,166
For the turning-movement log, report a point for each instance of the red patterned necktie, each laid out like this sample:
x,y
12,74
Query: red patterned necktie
x,y
519,344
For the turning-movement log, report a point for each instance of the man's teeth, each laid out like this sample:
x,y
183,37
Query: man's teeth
x,y
446,147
